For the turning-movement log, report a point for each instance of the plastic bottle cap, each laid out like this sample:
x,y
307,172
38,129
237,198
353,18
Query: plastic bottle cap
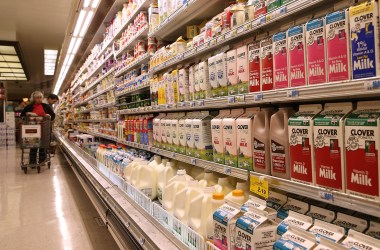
x,y
181,172
237,192
218,196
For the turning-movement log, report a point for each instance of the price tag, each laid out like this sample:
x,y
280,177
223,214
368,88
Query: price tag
x,y
201,103
292,93
259,186
213,42
328,196
259,97
192,104
193,161
220,38
180,57
168,106
231,99
371,85
227,170
240,98
182,104
174,155
240,29
248,26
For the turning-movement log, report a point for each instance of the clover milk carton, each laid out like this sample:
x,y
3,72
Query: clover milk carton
x,y
254,230
322,229
183,85
242,69
190,147
280,60
232,76
329,148
217,136
319,213
295,238
230,137
182,134
212,76
191,83
338,50
203,78
297,55
202,136
260,204
326,244
350,222
359,241
157,129
300,128
316,51
221,74
197,87
362,150
276,201
225,226
364,32
292,205
254,67
244,125
373,229
266,61
298,220
176,132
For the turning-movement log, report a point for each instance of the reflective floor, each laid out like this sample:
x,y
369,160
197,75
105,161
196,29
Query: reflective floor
x,y
49,210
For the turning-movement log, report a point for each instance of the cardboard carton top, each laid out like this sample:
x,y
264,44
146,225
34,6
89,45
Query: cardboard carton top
x,y
356,240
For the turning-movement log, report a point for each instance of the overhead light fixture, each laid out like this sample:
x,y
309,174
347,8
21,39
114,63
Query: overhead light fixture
x,y
79,23
86,3
50,60
86,23
11,63
95,4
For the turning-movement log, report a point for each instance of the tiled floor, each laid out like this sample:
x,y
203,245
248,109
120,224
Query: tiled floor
x,y
49,210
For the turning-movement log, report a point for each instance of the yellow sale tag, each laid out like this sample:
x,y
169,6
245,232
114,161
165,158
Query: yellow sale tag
x,y
259,186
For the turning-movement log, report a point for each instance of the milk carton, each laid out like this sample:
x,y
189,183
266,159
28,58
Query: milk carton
x,y
157,129
292,205
294,219
295,238
254,67
190,146
229,137
232,76
225,225
316,51
297,55
254,230
330,231
175,86
191,83
182,134
260,204
338,59
221,74
280,61
183,85
203,78
244,125
301,143
167,143
197,87
362,145
242,69
326,244
329,145
217,136
276,201
266,62
364,25
212,76
202,136
359,241
319,213
350,222
176,132
373,230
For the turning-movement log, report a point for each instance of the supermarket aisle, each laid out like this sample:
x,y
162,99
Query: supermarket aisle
x,y
49,210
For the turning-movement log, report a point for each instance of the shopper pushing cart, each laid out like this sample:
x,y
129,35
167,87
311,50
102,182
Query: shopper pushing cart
x,y
35,130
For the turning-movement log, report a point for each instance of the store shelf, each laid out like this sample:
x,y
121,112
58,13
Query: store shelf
x,y
354,89
108,137
99,67
191,13
144,86
143,6
117,201
142,34
238,33
96,95
107,105
97,120
352,202
98,80
144,59
76,95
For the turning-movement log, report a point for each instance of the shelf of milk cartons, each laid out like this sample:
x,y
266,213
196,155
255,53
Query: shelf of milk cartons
x,y
140,35
96,95
99,66
119,200
271,20
97,107
144,59
353,89
352,202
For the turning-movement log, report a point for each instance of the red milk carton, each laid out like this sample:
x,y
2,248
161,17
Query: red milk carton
x,y
266,60
297,55
254,67
280,61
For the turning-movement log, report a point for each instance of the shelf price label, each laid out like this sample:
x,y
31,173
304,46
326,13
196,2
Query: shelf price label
x,y
193,161
240,98
182,104
240,29
192,104
201,103
227,170
259,97
293,93
259,186
328,196
372,85
231,99
248,26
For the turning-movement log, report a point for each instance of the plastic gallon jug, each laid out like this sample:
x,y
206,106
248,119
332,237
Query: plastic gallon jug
x,y
130,169
261,141
245,187
164,174
209,177
196,171
199,210
147,181
217,200
169,194
236,197
99,152
183,198
280,143
156,161
224,186
136,173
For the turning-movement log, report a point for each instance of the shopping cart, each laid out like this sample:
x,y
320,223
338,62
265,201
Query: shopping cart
x,y
35,142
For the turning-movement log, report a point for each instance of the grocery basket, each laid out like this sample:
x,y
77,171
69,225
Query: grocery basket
x,y
35,140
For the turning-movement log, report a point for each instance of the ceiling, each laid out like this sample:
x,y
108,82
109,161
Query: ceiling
x,y
36,25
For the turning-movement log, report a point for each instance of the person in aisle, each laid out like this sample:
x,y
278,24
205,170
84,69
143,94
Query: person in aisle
x,y
37,108
52,99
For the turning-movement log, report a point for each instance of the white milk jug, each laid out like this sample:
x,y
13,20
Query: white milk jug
x,y
216,201
164,174
183,198
169,194
236,197
224,186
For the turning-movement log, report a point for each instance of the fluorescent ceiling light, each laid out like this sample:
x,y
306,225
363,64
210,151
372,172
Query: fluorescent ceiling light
x,y
79,23
86,23
10,50
50,60
77,44
11,67
95,4
71,46
86,3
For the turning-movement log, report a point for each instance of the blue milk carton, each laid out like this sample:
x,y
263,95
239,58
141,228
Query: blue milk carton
x,y
295,238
